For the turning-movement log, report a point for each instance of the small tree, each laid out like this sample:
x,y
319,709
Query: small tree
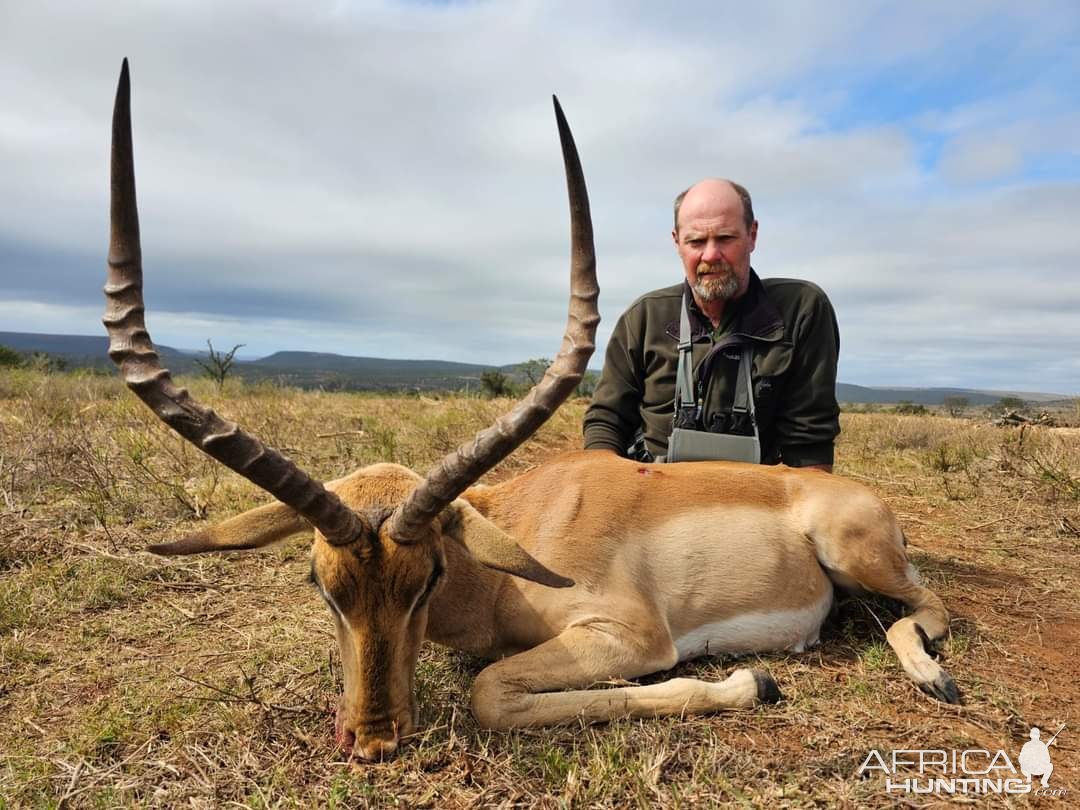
x,y
1006,405
218,365
911,408
40,361
956,405
9,358
587,386
495,384
534,369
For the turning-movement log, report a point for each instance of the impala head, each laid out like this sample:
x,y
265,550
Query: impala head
x,y
381,533
379,590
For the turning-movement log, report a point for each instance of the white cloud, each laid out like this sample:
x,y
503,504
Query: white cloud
x,y
383,178
970,160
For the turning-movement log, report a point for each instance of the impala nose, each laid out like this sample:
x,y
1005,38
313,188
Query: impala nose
x,y
375,749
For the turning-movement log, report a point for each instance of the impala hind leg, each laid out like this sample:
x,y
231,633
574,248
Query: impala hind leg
x,y
549,684
912,635
877,561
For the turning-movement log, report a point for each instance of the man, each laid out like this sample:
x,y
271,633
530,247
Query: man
x,y
788,325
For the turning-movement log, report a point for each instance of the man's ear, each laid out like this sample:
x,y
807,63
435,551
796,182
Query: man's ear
x,y
493,547
256,528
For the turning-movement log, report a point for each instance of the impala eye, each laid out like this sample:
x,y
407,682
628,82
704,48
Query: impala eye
x,y
433,580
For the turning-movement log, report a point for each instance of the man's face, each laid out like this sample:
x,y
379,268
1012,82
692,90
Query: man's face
x,y
714,243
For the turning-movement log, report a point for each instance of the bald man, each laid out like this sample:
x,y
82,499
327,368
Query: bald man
x,y
787,329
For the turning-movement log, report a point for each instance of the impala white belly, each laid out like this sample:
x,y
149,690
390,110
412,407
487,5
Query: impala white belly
x,y
778,630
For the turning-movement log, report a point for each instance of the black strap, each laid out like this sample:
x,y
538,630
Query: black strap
x,y
744,388
744,385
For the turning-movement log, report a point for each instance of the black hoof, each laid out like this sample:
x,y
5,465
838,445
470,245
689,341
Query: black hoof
x,y
942,688
767,690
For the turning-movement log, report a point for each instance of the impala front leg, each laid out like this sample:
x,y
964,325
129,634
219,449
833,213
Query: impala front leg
x,y
549,683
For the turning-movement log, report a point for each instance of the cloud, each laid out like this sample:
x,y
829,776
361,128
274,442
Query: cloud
x,y
970,160
383,178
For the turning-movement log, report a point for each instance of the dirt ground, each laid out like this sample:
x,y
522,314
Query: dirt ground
x,y
127,680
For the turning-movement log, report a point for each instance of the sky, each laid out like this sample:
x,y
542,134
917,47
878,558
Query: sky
x,y
382,178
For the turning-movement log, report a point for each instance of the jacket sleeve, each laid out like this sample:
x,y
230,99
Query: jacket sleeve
x,y
614,415
808,419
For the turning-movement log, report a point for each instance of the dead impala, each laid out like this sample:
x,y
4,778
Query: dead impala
x,y
656,563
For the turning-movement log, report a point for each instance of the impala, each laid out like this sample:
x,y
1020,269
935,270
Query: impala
x,y
585,569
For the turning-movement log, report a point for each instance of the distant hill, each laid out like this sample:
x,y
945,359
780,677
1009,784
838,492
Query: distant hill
x,y
845,392
341,372
301,369
336,371
86,350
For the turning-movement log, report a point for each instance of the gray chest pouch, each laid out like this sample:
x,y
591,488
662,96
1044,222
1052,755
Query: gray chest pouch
x,y
689,444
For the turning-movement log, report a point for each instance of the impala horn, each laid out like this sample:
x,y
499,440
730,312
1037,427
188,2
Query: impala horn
x,y
130,348
461,468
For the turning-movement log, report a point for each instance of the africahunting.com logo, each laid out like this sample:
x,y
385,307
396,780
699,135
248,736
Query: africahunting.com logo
x,y
973,770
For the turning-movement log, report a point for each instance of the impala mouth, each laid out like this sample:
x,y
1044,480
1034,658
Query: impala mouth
x,y
372,741
343,737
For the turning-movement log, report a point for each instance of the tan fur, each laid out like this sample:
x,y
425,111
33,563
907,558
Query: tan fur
x,y
703,542
667,561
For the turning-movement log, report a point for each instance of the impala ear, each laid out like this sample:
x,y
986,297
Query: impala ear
x,y
493,547
256,528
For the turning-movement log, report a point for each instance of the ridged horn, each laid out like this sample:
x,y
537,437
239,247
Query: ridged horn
x,y
458,470
132,350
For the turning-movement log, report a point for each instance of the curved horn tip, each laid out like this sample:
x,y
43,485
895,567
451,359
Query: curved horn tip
x,y
558,109
123,90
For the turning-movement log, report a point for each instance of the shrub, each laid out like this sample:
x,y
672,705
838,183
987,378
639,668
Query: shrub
x,y
911,409
1006,404
9,358
496,384
956,405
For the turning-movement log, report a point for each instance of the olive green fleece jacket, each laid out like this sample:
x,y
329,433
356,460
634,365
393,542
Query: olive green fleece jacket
x,y
792,328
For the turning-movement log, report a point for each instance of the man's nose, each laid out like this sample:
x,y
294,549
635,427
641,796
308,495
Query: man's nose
x,y
712,252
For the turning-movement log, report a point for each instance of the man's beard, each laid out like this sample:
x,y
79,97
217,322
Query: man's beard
x,y
716,282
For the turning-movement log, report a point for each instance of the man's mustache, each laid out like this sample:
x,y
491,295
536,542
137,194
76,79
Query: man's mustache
x,y
707,268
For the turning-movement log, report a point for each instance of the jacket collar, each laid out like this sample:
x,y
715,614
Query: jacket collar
x,y
756,318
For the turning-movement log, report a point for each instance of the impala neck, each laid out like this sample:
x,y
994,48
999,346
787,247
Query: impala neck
x,y
462,612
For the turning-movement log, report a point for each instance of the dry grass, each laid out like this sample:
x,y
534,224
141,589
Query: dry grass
x,y
128,680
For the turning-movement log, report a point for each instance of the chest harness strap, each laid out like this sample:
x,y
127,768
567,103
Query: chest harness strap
x,y
687,405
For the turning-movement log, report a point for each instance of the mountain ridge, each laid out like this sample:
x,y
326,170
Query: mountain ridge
x,y
357,373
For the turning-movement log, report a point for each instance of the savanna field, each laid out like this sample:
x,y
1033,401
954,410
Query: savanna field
x,y
128,680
